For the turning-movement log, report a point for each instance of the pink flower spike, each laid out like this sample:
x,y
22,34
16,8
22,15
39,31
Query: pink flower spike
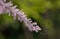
x,y
11,10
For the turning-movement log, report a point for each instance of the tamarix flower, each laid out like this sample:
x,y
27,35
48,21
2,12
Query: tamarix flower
x,y
11,10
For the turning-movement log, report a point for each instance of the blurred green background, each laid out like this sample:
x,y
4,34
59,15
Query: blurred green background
x,y
45,12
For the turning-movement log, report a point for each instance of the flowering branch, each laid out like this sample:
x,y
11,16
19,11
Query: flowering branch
x,y
11,10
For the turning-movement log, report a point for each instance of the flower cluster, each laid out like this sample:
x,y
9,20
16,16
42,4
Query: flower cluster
x,y
11,10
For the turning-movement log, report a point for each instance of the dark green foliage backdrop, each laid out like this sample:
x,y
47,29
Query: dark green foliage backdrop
x,y
45,12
